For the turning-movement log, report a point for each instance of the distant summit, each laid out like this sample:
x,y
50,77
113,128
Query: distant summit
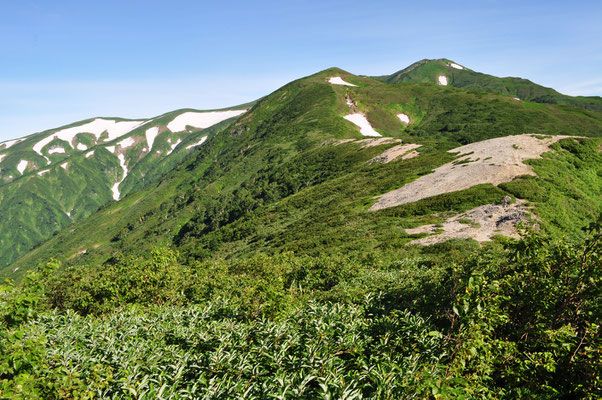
x,y
447,72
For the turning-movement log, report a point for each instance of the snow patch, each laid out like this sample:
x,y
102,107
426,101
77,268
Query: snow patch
x,y
456,66
516,98
43,172
22,165
97,127
10,143
151,134
2,157
361,121
82,147
173,146
115,188
201,120
442,80
111,149
64,166
197,144
337,80
56,150
404,118
127,142
89,154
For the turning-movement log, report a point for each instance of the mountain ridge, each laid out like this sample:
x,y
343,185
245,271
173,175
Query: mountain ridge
x,y
524,89
282,143
344,237
66,173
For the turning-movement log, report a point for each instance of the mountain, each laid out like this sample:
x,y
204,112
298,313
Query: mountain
x,y
293,174
51,179
345,237
447,72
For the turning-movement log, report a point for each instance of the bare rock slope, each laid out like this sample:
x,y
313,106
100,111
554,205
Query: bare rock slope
x,y
490,161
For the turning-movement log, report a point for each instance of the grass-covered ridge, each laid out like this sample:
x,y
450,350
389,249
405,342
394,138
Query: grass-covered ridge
x,y
277,179
254,268
56,189
523,89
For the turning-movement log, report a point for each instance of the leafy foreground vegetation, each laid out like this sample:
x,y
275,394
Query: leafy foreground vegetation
x,y
515,321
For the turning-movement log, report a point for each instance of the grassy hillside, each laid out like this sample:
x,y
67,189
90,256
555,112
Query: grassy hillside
x,y
278,180
254,267
430,70
67,180
517,322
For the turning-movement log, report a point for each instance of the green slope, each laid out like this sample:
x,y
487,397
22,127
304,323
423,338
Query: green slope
x,y
56,189
430,70
277,180
254,268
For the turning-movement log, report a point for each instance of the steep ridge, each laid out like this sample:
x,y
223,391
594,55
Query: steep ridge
x,y
447,72
295,174
50,179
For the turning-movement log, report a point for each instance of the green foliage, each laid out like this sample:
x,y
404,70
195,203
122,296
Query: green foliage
x,y
277,180
522,322
254,268
528,324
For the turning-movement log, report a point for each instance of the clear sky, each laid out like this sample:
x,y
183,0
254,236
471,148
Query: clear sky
x,y
63,61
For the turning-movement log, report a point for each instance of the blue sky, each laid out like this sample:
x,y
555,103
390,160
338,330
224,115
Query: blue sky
x,y
63,61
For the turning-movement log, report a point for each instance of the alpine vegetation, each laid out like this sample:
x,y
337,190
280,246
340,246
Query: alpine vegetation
x,y
416,235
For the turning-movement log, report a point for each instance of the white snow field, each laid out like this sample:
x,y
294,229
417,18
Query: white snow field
x,y
56,150
173,146
113,128
361,121
489,161
127,142
82,147
9,143
2,157
64,166
200,142
337,80
111,149
43,172
151,134
21,166
456,66
115,187
404,118
89,154
442,80
201,120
